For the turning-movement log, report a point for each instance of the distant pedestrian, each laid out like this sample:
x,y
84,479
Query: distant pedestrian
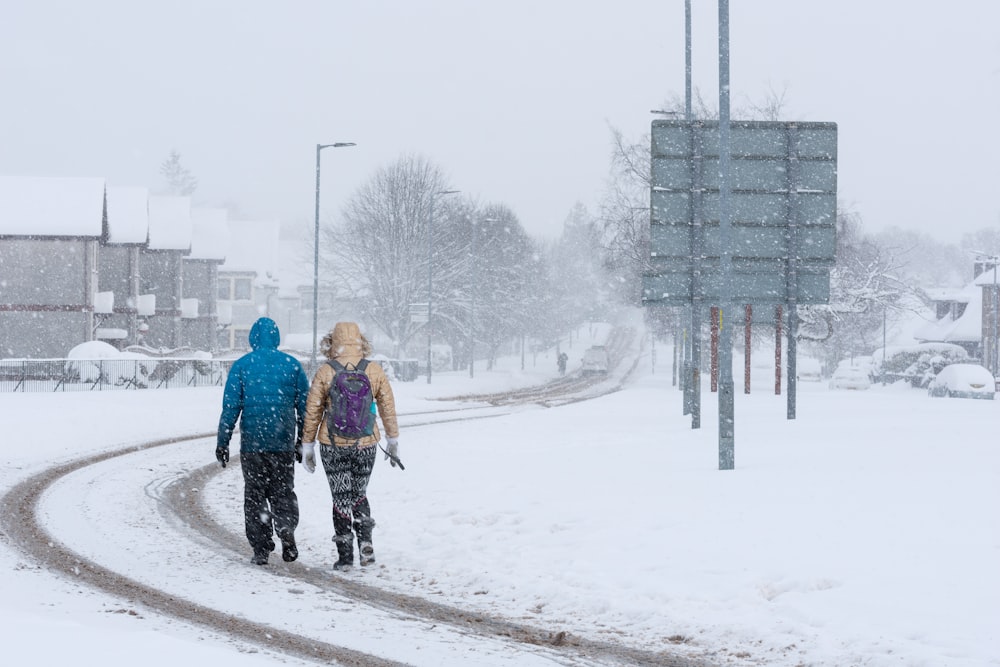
x,y
561,361
266,390
348,460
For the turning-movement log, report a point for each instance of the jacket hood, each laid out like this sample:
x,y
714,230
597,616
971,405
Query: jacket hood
x,y
346,340
264,334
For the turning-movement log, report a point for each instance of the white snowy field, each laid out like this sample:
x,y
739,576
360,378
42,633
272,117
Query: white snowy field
x,y
864,532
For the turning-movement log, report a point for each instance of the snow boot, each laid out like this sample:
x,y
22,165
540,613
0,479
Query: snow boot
x,y
289,551
363,525
345,551
260,557
366,553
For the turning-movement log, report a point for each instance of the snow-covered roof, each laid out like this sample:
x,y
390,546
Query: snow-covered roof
x,y
965,329
128,214
987,277
169,223
51,206
209,234
253,246
955,294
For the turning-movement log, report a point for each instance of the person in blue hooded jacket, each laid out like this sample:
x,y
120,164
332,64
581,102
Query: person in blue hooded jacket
x,y
266,391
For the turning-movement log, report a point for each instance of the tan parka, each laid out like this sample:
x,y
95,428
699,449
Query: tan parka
x,y
346,344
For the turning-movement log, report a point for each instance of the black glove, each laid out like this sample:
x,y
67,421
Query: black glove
x,y
298,451
222,454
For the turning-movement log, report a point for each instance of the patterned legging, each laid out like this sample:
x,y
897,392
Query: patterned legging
x,y
348,470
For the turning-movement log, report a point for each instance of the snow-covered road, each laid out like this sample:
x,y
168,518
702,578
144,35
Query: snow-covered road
x,y
862,533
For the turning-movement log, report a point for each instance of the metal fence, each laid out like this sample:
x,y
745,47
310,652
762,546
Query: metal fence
x,y
110,374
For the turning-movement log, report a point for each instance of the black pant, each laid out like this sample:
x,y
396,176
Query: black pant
x,y
269,501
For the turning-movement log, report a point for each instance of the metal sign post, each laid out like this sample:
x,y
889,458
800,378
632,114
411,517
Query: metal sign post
x,y
781,203
727,418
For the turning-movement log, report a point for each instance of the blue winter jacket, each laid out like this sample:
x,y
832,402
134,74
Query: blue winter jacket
x,y
266,390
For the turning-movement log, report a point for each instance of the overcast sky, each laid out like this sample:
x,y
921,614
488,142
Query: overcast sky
x,y
513,99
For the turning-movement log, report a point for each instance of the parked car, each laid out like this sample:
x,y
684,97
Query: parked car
x,y
850,377
595,360
963,381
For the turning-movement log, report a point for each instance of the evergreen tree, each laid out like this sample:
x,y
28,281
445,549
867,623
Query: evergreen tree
x,y
180,181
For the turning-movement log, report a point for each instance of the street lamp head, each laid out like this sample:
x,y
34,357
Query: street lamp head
x,y
446,192
339,144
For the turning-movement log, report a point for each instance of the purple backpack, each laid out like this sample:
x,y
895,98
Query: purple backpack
x,y
352,409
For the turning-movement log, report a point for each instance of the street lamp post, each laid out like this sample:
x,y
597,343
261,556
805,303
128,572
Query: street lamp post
x,y
996,317
430,272
472,301
319,148
727,441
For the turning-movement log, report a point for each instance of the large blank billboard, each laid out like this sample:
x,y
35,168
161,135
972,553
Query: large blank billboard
x,y
783,203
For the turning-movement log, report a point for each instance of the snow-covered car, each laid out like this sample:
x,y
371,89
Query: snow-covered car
x,y
96,361
963,381
850,377
595,360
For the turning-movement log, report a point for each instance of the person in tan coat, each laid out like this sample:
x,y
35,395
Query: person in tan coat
x,y
348,462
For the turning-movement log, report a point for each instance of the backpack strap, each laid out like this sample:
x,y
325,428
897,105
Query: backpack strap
x,y
337,366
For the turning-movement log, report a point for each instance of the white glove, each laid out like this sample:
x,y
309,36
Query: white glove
x,y
309,456
392,450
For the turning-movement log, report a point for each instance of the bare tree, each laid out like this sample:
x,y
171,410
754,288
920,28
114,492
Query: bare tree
x,y
924,261
378,255
770,107
624,218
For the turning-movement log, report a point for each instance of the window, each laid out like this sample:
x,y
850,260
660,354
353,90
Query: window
x,y
242,289
224,288
241,339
